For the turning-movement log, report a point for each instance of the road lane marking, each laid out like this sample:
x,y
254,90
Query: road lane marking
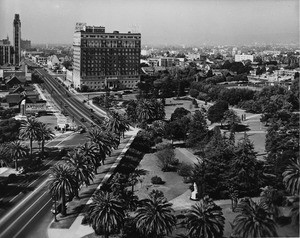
x,y
25,199
32,218
7,228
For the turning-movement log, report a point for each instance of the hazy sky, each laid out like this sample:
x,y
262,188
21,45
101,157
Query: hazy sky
x,y
185,22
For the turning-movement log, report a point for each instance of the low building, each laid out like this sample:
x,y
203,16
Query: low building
x,y
243,57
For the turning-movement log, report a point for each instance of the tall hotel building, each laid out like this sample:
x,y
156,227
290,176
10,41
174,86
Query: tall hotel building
x,y
105,59
17,39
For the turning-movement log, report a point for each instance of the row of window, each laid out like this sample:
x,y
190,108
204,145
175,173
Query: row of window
x,y
111,36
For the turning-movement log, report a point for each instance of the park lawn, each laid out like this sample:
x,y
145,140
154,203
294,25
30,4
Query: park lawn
x,y
173,186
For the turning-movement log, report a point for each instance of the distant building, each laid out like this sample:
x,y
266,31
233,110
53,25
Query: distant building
x,y
167,62
239,58
103,59
6,52
25,44
17,39
53,62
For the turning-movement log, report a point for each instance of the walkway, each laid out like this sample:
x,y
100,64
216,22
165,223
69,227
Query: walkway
x,y
77,230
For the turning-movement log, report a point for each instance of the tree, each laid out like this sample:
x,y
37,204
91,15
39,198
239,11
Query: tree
x,y
89,150
106,213
198,129
44,133
216,112
17,151
245,172
9,130
253,221
102,142
145,110
231,119
4,152
179,113
133,177
117,124
81,167
291,177
205,219
30,130
154,217
62,183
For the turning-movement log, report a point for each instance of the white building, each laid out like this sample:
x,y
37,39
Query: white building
x,y
243,57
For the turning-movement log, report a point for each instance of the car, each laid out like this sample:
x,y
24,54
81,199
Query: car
x,y
82,119
91,109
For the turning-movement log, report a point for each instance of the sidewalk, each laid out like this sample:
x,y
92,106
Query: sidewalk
x,y
104,172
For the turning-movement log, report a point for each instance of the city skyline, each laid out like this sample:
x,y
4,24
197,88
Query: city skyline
x,y
227,22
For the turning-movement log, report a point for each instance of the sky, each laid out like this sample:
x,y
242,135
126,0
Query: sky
x,y
165,22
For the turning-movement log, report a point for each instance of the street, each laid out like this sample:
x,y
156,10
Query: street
x,y
31,216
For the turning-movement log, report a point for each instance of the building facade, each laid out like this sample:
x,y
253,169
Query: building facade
x,y
17,39
6,52
103,59
25,44
239,58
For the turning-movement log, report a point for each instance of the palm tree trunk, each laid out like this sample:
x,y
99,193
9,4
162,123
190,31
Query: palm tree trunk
x,y
43,146
30,146
16,163
63,203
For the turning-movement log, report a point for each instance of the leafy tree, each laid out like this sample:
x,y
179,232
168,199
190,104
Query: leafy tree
x,y
131,110
154,217
291,177
231,119
9,130
245,169
198,129
30,130
253,221
205,219
179,113
62,183
106,214
216,112
134,176
167,159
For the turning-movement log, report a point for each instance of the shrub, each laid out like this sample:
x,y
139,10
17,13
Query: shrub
x,y
157,180
158,140
164,145
186,171
167,160
194,93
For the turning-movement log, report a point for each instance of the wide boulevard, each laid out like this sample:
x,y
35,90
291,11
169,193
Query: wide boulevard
x,y
31,215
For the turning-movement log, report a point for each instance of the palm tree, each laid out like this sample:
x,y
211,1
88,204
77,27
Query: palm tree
x,y
253,221
291,177
145,110
44,133
106,213
102,142
81,168
205,219
62,182
117,124
133,177
17,151
154,217
89,150
29,130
